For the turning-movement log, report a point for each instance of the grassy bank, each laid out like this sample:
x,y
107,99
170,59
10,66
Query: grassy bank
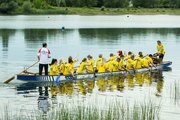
x,y
147,110
100,11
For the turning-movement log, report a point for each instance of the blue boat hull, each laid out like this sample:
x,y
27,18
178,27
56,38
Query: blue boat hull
x,y
30,77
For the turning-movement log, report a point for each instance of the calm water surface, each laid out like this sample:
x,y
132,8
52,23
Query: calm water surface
x,y
22,36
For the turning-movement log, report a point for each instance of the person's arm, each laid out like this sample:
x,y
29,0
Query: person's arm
x,y
49,54
71,72
38,58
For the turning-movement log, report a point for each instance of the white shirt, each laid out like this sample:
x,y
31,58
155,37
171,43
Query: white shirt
x,y
44,54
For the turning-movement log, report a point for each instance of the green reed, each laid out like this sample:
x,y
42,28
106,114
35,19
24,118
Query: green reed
x,y
175,92
118,110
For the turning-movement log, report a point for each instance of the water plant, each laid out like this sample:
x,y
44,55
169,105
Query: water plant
x,y
118,110
175,92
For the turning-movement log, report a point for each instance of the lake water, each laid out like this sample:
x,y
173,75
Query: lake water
x,y
21,36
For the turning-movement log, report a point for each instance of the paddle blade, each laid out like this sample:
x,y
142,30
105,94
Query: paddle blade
x,y
8,80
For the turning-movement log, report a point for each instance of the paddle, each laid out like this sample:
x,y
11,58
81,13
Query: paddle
x,y
10,79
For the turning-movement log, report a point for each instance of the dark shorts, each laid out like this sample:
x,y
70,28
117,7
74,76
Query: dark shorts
x,y
161,56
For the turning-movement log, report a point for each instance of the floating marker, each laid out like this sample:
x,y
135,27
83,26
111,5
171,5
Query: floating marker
x,y
63,28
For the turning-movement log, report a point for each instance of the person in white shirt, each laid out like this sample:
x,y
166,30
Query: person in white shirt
x,y
43,55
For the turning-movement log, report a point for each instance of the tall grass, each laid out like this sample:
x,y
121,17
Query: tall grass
x,y
175,92
146,110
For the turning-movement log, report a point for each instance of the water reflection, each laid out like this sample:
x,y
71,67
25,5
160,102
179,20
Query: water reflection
x,y
43,104
5,36
124,34
49,91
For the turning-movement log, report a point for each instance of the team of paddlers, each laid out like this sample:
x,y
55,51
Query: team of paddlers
x,y
121,61
113,64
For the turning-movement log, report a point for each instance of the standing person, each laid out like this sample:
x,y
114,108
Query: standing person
x,y
43,55
160,50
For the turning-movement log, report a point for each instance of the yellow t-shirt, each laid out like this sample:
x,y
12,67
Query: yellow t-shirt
x,y
160,49
53,70
138,63
90,67
115,66
81,67
67,68
146,61
128,57
129,64
109,66
98,62
61,68
72,66
110,63
102,68
150,60
121,64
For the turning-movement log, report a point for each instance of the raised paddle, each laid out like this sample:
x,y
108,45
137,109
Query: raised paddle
x,y
10,79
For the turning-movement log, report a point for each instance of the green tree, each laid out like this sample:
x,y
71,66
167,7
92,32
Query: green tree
x,y
27,7
59,2
100,3
174,3
39,4
115,3
7,6
88,3
146,3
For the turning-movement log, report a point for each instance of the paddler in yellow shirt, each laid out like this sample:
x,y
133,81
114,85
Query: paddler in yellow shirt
x,y
122,63
139,62
74,61
110,62
99,60
102,66
147,61
61,66
130,63
115,65
68,68
91,64
83,66
54,67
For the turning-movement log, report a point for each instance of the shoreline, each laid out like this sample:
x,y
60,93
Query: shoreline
x,y
99,11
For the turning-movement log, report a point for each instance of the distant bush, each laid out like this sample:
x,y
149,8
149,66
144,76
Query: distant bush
x,y
102,8
27,7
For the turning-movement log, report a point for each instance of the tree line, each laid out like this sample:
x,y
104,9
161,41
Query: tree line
x,y
7,6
